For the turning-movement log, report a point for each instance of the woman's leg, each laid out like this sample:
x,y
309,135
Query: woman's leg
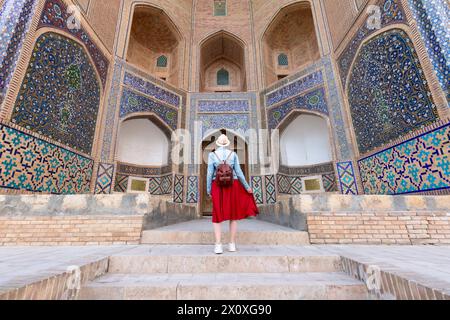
x,y
233,231
218,232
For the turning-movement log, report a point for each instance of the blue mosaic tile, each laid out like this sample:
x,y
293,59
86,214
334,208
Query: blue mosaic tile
x,y
417,165
192,192
15,21
392,12
347,178
239,123
294,88
105,176
56,15
388,93
432,17
133,102
152,90
223,106
60,94
31,164
311,101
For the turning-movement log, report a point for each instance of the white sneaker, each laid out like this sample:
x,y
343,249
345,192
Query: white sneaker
x,y
218,249
232,247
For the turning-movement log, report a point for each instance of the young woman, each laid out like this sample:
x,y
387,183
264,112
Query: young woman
x,y
230,203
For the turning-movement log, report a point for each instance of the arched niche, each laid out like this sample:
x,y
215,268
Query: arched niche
x,y
305,141
154,44
142,141
291,36
222,51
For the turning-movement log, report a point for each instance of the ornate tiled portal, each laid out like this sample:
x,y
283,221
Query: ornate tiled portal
x,y
388,93
60,95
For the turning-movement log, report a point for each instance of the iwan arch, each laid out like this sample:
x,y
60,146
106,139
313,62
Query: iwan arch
x,y
92,110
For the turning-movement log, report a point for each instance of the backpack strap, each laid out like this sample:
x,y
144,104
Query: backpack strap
x,y
224,161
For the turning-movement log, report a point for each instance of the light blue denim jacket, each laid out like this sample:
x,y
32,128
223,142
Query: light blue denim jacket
x,y
233,161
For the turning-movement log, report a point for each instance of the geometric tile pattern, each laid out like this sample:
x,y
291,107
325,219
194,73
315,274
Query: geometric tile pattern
x,y
111,111
347,178
28,163
271,191
151,89
56,15
15,21
192,189
388,93
239,123
178,188
391,12
329,182
166,184
105,177
313,101
296,185
284,184
421,164
154,186
121,183
310,81
133,102
257,186
223,106
60,95
432,21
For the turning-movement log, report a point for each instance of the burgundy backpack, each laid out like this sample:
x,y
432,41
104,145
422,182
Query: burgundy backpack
x,y
224,172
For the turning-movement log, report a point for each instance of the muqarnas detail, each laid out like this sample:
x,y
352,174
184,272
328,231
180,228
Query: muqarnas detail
x,y
388,93
60,95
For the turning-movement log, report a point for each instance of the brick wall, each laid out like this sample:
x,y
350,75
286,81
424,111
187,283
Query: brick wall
x,y
70,230
365,219
85,219
380,228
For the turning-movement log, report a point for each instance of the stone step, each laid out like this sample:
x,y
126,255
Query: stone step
x,y
201,259
225,286
250,232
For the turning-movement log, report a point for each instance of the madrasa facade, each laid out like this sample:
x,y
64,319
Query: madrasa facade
x,y
321,96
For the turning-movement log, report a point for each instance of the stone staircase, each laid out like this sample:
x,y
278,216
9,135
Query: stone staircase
x,y
271,263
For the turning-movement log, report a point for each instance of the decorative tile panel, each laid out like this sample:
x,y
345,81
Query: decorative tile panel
x,y
257,186
121,183
432,18
192,193
56,15
28,163
421,164
239,123
311,101
105,176
347,178
150,89
388,93
391,13
15,21
271,191
290,90
213,106
60,95
178,189
133,102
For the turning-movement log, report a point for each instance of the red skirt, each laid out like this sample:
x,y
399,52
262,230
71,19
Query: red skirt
x,y
232,203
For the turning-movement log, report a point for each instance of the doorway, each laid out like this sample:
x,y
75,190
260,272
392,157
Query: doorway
x,y
238,145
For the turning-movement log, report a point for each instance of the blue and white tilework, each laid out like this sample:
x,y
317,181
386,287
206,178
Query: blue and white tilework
x,y
432,18
15,21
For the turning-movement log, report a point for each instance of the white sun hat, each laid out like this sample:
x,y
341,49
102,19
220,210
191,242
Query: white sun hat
x,y
223,141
